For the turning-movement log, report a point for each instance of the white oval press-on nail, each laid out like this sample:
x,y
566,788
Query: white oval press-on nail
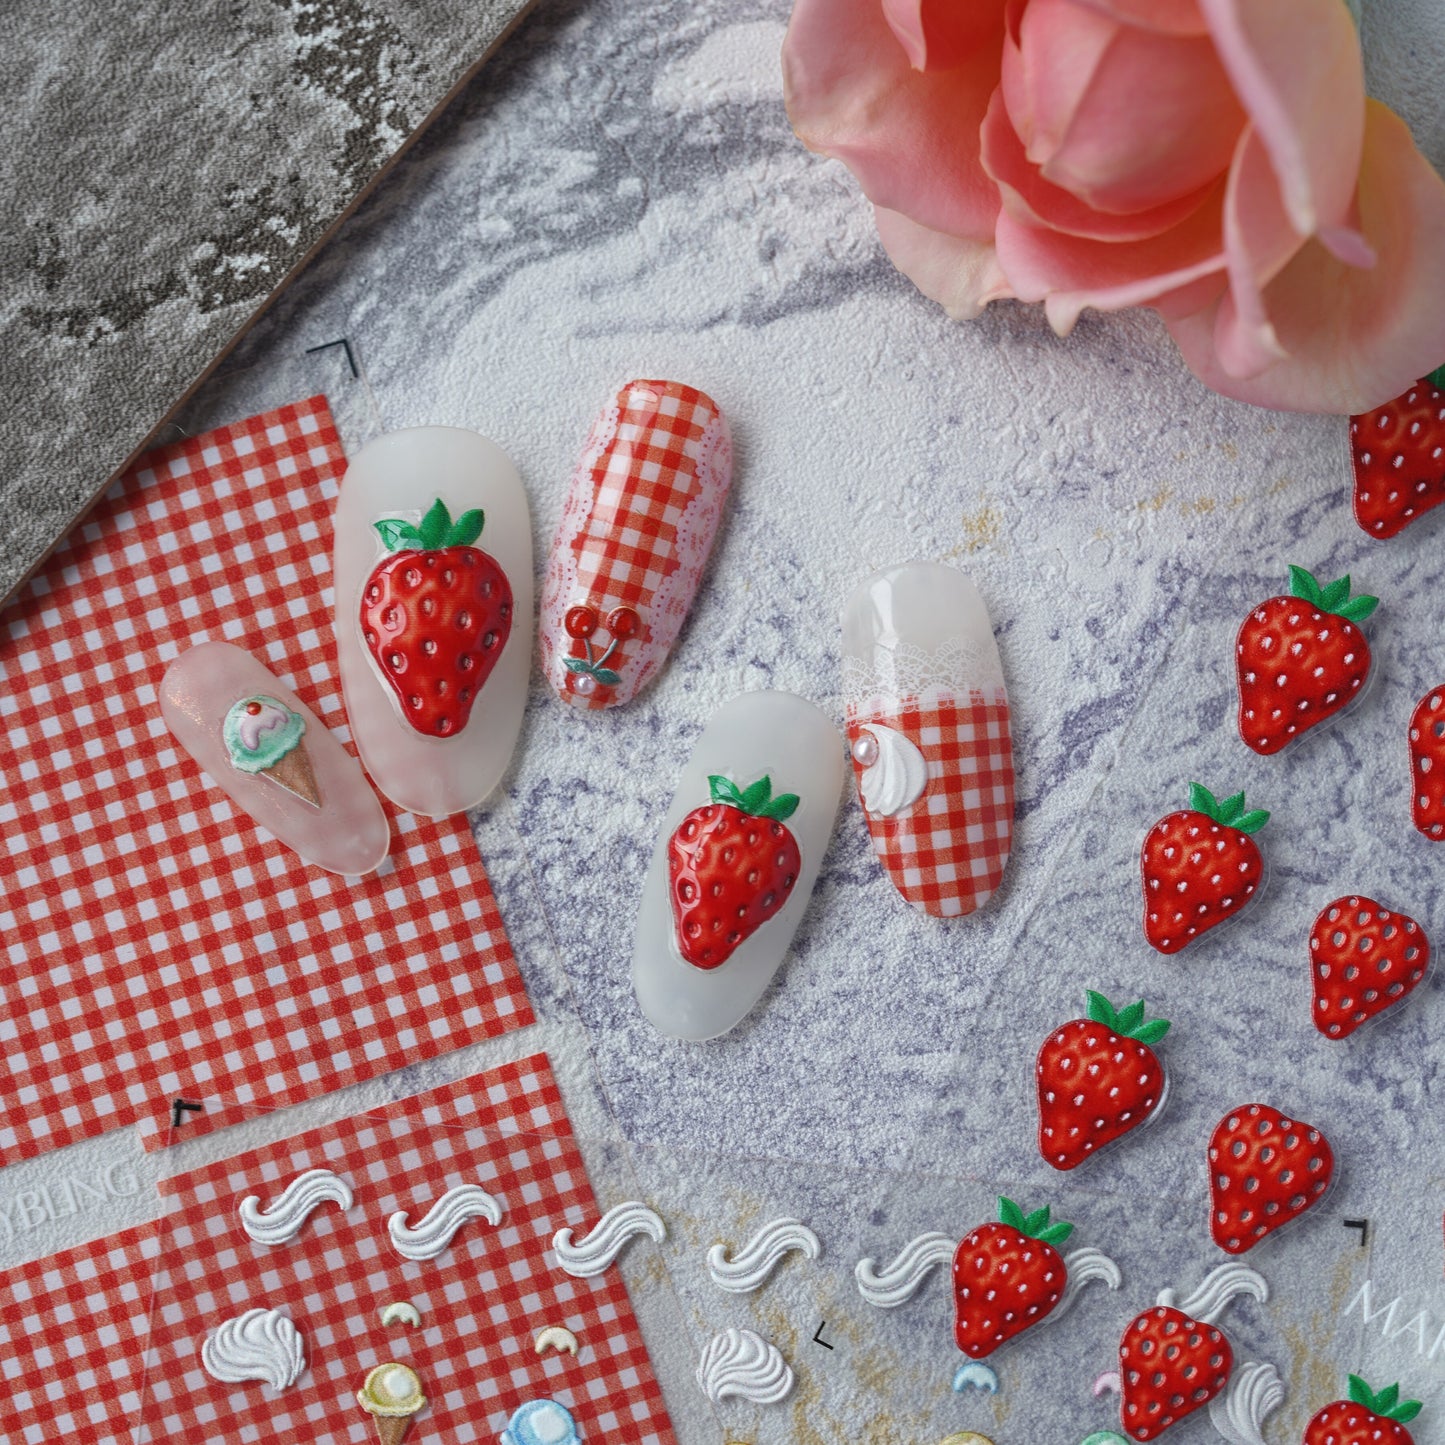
x,y
928,734
735,862
434,614
266,750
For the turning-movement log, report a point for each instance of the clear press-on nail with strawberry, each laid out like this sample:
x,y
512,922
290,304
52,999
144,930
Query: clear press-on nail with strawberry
x,y
735,863
266,750
433,572
1300,660
638,524
929,736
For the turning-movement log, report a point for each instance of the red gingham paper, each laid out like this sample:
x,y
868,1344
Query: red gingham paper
x,y
157,943
75,1320
636,533
946,854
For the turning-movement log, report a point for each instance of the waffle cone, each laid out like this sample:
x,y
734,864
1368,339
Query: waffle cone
x,y
390,1428
295,774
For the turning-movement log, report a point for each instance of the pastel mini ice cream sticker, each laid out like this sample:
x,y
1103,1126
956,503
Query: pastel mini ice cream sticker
x,y
391,1395
263,736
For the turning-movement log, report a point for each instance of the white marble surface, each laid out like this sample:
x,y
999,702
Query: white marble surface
x,y
627,199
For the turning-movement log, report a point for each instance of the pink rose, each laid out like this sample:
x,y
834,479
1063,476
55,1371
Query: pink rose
x,y
1217,160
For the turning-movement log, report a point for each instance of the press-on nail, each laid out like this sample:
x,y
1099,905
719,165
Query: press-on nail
x,y
434,614
735,862
266,750
638,524
928,734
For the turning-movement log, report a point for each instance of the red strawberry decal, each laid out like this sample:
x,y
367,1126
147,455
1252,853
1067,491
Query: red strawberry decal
x,y
1264,1170
1200,866
1366,1418
1169,1366
1363,959
1300,660
1398,451
1097,1079
436,616
731,865
1427,764
1006,1277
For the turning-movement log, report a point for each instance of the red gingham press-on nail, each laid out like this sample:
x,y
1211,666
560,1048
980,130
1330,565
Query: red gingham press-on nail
x,y
928,733
636,530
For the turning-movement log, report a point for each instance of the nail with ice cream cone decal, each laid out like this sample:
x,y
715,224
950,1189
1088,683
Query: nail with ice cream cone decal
x,y
928,733
270,754
391,1395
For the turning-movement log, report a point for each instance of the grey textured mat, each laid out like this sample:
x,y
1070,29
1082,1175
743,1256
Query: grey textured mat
x,y
166,169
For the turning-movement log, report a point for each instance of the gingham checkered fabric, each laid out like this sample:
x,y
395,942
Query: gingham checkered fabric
x,y
482,1301
946,853
155,941
628,550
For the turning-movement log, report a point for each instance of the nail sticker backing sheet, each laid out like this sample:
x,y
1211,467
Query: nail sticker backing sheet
x,y
156,942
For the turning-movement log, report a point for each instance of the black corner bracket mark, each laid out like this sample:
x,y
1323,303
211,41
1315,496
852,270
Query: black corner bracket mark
x,y
346,346
818,1336
180,1105
1363,1225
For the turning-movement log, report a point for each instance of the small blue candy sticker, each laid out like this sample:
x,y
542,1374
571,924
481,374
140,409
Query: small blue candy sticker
x,y
541,1422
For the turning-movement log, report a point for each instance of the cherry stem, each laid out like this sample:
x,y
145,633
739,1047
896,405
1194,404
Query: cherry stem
x,y
611,648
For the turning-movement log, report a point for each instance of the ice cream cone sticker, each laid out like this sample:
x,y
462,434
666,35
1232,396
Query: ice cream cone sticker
x,y
264,736
391,1396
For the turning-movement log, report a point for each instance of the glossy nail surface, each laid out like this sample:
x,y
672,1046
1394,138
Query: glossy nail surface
x,y
433,563
640,518
928,734
266,750
735,862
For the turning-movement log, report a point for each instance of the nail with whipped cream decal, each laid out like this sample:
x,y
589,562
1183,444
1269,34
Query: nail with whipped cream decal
x,y
928,733
735,862
268,752
433,573
638,524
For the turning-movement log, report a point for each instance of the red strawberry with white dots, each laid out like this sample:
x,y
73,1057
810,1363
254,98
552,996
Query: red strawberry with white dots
x,y
1169,1366
1097,1079
1366,1418
1427,764
1300,659
1398,451
1264,1171
436,615
1363,959
1200,866
1007,1277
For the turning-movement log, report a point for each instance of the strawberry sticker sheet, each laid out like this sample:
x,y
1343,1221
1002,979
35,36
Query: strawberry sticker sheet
x,y
301,1289
157,942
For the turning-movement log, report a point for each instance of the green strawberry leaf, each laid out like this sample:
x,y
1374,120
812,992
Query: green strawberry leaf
x,y
1055,1233
466,529
1335,593
1202,800
1130,1018
395,532
1230,808
1436,378
576,664
1303,585
1405,1411
606,676
1360,1392
1036,1221
724,790
1252,821
1357,608
1009,1213
1151,1032
435,525
1100,1010
1386,1399
755,795
783,806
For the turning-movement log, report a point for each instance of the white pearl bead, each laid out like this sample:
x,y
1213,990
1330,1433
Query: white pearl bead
x,y
865,749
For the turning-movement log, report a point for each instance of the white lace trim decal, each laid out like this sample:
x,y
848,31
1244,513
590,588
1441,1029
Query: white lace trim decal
x,y
905,671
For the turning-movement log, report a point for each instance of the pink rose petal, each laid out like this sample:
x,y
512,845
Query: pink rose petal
x,y
962,276
940,34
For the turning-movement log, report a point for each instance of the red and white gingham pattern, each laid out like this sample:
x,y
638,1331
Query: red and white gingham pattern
x,y
154,941
482,1301
946,854
641,484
